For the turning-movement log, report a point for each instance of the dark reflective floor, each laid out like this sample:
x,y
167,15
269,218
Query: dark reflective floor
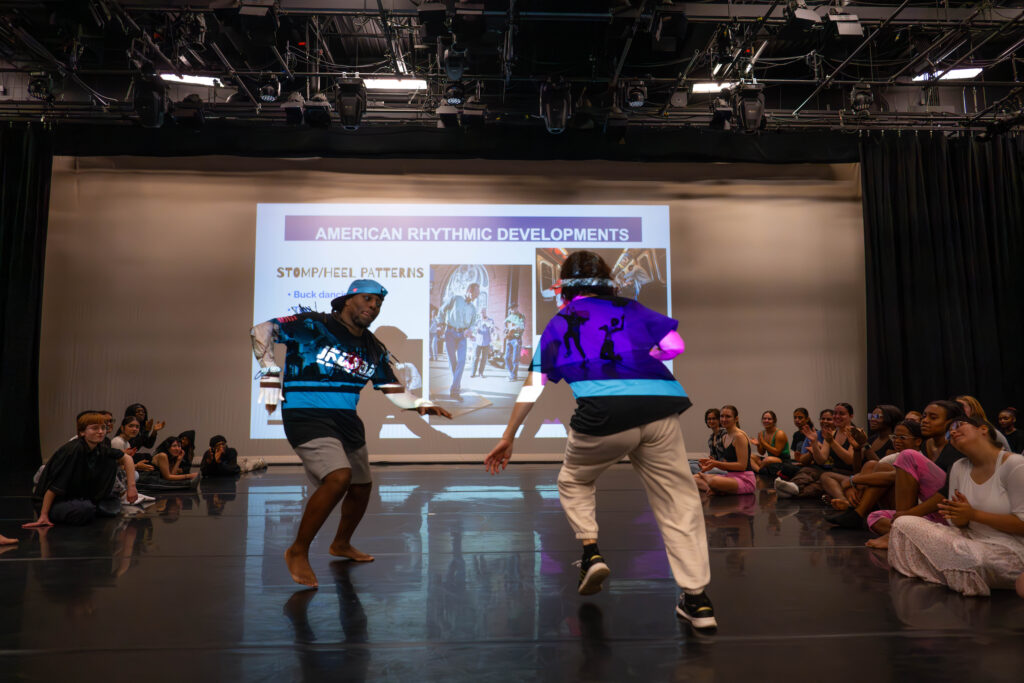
x,y
473,581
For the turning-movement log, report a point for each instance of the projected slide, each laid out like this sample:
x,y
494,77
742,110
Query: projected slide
x,y
470,289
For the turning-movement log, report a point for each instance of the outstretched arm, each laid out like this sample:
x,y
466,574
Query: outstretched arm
x,y
497,459
398,395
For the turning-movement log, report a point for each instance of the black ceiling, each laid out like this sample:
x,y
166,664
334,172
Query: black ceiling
x,y
88,60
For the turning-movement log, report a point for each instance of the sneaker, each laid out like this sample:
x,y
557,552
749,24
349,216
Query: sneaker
x,y
786,489
697,610
592,572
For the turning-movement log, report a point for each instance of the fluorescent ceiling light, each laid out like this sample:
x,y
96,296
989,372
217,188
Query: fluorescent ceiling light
x,y
395,84
952,75
193,80
710,87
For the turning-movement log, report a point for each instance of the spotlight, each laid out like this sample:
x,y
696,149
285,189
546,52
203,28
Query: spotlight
x,y
293,108
748,106
149,98
555,105
635,94
861,99
844,25
318,111
455,62
270,89
351,102
721,114
189,112
455,94
802,17
40,86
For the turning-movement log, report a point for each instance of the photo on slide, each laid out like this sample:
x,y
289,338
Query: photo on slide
x,y
480,338
639,273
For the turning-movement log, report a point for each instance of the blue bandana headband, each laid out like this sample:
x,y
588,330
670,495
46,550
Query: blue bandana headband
x,y
588,282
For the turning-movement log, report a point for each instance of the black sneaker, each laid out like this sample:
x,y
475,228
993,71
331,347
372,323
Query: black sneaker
x,y
697,610
593,571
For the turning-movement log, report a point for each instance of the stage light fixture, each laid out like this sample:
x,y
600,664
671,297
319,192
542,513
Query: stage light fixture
x,y
951,75
748,106
407,84
189,112
555,104
293,108
351,102
801,16
193,80
635,94
861,98
447,116
721,113
270,89
149,98
455,94
455,62
473,115
40,86
704,88
317,111
844,25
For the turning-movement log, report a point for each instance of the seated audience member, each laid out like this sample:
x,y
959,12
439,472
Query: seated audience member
x,y
167,475
914,415
79,479
735,462
806,481
972,408
716,448
919,478
842,453
984,547
147,430
128,430
881,423
188,444
800,418
772,447
1008,426
220,460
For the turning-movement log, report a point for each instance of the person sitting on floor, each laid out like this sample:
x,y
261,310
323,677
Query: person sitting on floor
x,y
772,447
147,431
716,448
738,477
881,423
187,439
167,475
800,418
812,462
984,547
1008,426
972,408
919,481
128,430
79,479
844,456
220,460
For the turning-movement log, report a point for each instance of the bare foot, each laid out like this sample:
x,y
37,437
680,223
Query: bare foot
x,y
349,551
881,542
299,568
7,541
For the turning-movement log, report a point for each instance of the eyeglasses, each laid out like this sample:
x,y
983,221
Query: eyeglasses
x,y
875,416
900,437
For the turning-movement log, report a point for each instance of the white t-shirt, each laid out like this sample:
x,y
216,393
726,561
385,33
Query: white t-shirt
x,y
120,443
1001,494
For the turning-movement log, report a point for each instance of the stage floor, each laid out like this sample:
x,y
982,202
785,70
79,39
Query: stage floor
x,y
473,581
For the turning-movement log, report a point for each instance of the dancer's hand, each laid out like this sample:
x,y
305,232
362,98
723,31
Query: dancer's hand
x,y
159,425
852,496
434,410
43,521
957,510
132,494
497,460
270,392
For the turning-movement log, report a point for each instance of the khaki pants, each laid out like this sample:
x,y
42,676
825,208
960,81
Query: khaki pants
x,y
658,455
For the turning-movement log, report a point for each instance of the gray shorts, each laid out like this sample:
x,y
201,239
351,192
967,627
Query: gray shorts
x,y
326,454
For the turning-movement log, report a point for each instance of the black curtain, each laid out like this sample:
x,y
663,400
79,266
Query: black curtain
x,y
26,159
944,244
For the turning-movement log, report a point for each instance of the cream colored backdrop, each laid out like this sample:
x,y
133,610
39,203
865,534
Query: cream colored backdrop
x,y
149,276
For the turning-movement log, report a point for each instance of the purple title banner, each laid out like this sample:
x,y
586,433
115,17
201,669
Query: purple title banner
x,y
462,229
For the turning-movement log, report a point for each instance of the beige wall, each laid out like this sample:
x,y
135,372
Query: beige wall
x,y
149,271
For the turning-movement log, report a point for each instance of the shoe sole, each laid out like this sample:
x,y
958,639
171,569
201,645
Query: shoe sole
x,y
593,579
697,622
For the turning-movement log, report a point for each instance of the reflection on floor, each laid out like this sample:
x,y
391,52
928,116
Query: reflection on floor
x,y
473,581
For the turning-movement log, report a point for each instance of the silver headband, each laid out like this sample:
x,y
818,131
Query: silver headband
x,y
588,282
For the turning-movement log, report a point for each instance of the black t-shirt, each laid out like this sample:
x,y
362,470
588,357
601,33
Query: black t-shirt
x,y
326,367
76,472
1016,441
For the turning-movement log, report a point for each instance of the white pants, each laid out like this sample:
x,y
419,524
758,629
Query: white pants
x,y
658,455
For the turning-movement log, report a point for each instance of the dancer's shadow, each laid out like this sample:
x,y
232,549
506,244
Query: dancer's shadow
x,y
350,660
